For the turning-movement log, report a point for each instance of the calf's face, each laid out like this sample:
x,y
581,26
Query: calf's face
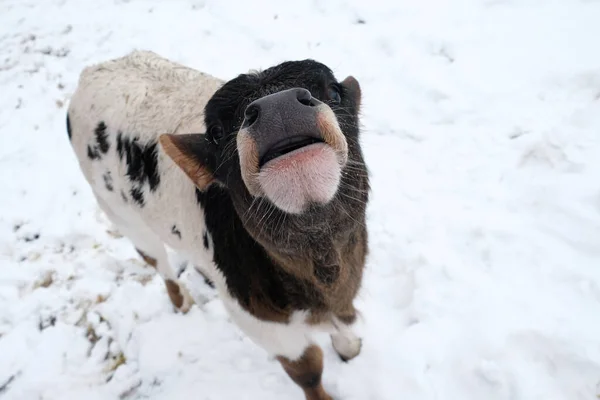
x,y
281,141
291,149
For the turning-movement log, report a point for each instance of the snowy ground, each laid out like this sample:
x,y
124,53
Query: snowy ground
x,y
482,133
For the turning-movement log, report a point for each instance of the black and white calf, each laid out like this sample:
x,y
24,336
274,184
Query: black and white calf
x,y
260,181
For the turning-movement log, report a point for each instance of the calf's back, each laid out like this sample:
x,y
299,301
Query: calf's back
x,y
115,117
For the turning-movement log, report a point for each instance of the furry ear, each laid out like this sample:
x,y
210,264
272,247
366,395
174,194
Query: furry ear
x,y
353,88
191,153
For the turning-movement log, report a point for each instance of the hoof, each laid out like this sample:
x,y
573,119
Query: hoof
x,y
188,300
180,296
346,348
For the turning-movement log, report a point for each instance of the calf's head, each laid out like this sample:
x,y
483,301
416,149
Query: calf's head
x,y
291,149
284,143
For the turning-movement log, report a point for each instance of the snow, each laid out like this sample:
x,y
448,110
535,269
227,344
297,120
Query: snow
x,y
482,134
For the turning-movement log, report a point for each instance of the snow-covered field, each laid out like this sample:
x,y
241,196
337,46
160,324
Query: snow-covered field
x,y
482,134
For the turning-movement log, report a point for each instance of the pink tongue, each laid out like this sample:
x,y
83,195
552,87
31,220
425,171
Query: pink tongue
x,y
309,174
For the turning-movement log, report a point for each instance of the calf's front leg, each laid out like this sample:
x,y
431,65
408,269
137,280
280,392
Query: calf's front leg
x,y
345,341
288,339
307,371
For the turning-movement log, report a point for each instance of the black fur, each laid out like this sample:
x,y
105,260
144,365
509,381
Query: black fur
x,y
120,148
124,196
137,195
68,126
108,181
205,240
248,270
201,198
93,153
141,161
175,231
102,137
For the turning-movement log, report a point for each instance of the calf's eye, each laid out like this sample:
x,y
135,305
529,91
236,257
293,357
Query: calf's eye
x,y
334,94
216,133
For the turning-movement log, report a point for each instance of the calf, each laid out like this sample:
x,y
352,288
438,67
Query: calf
x,y
260,181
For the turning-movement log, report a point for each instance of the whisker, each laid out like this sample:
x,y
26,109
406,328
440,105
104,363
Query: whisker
x,y
351,217
353,198
269,211
249,208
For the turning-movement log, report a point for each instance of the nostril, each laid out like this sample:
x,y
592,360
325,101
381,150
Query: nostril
x,y
250,115
304,97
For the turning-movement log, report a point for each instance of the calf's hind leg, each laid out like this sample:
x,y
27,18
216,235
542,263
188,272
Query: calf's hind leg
x,y
152,250
179,295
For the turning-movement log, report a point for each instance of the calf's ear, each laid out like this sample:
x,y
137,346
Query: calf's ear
x,y
191,153
353,89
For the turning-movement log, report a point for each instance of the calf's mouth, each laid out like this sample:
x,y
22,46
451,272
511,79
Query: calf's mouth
x,y
286,146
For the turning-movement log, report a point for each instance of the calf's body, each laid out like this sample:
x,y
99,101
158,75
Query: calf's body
x,y
286,262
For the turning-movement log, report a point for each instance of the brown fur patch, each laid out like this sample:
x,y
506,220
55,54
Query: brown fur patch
x,y
178,149
248,152
149,260
265,311
306,372
335,297
174,293
318,317
332,134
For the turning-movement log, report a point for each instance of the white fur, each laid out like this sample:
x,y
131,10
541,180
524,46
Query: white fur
x,y
294,180
145,95
345,341
277,339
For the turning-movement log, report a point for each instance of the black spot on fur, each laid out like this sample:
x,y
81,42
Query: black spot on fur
x,y
141,160
176,231
93,153
137,195
151,165
108,181
205,239
69,126
120,145
124,196
102,137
